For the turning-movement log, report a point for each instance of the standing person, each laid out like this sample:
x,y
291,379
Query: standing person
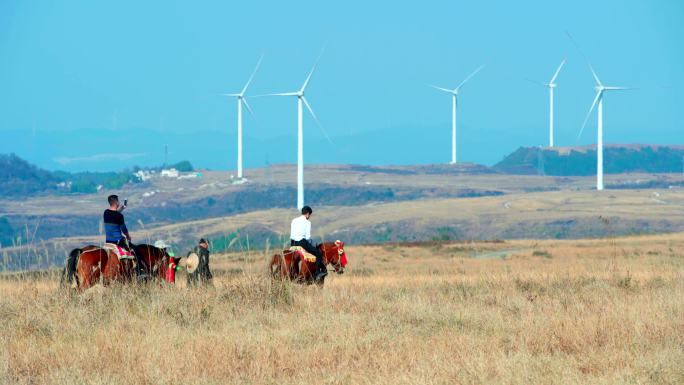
x,y
300,235
116,231
202,274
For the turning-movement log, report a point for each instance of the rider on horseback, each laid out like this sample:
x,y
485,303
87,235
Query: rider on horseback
x,y
116,231
300,235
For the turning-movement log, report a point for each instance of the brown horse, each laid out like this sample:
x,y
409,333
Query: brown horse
x,y
96,263
92,263
157,262
290,265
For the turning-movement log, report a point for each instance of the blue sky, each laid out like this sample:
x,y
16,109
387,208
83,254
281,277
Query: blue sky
x,y
105,85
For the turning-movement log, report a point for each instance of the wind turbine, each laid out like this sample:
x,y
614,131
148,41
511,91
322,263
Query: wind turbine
x,y
598,99
240,101
551,85
454,104
600,90
301,101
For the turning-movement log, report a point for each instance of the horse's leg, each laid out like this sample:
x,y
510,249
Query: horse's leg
x,y
84,275
87,273
275,267
288,267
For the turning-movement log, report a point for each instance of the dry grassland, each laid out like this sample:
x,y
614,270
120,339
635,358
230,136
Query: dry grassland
x,y
566,312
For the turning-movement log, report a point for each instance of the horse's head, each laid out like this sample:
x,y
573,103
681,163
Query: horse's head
x,y
161,261
334,254
172,264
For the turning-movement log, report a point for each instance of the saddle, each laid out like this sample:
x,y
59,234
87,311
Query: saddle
x,y
120,252
301,252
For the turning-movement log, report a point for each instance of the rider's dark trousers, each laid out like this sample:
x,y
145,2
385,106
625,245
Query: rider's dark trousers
x,y
312,250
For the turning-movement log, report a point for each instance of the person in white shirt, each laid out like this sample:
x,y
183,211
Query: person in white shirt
x,y
300,235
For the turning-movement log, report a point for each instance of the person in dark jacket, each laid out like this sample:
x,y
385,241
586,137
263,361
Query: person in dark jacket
x,y
202,275
116,231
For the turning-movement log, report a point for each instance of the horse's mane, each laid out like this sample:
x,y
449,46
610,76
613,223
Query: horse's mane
x,y
325,244
140,245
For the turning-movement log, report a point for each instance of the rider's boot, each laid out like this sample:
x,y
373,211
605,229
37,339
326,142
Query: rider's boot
x,y
140,268
321,271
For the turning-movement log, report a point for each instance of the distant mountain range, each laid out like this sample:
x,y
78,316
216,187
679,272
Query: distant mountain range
x,y
581,161
19,178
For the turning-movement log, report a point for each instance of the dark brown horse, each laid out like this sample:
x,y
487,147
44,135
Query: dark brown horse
x,y
157,262
92,263
290,265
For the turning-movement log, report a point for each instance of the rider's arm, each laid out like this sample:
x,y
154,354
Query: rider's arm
x,y
123,206
307,226
124,229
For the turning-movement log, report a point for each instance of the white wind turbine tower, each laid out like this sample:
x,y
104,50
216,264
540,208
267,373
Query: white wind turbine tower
x,y
454,104
551,85
598,99
600,90
240,101
301,100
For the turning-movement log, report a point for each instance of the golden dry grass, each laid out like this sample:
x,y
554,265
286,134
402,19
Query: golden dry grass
x,y
566,312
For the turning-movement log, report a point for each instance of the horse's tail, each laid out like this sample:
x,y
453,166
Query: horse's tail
x,y
69,272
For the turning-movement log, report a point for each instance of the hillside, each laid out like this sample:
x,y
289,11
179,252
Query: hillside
x,y
19,178
578,161
541,215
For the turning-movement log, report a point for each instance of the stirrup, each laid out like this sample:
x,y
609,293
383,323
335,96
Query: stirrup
x,y
320,276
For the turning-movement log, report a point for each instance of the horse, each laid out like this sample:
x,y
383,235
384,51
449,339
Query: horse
x,y
157,263
69,271
98,263
89,264
291,266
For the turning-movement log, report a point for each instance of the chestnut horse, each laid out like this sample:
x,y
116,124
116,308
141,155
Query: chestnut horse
x,y
92,263
289,264
96,263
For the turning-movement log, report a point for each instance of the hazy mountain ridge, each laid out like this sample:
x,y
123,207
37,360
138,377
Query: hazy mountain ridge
x,y
19,178
581,161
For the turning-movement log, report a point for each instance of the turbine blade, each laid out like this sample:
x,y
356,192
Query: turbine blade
x,y
308,107
536,82
586,119
469,76
596,78
618,88
252,75
441,89
232,95
555,75
306,82
278,94
244,101
594,74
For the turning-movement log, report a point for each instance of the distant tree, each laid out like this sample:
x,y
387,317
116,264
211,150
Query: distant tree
x,y
183,166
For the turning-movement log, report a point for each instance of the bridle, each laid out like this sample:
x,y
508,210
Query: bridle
x,y
340,252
